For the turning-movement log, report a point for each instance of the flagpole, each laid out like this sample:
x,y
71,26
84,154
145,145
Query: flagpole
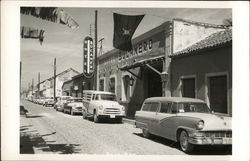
x,y
95,75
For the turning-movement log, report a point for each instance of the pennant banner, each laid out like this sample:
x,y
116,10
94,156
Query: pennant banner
x,y
52,14
28,32
124,28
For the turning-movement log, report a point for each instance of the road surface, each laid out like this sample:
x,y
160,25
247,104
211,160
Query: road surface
x,y
44,130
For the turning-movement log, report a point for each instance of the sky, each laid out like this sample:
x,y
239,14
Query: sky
x,y
66,44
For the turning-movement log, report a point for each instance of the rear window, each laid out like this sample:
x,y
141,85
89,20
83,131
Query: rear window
x,y
109,97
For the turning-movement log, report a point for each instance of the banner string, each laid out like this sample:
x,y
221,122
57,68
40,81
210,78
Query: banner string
x,y
161,17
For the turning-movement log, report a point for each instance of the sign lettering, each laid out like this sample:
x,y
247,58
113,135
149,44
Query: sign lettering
x,y
88,57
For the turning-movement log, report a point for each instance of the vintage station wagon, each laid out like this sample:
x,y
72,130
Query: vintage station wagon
x,y
185,120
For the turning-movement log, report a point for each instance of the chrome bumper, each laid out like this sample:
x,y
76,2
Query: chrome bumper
x,y
210,138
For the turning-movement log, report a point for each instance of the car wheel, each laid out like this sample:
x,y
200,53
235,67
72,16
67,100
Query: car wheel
x,y
184,144
146,133
84,114
71,112
96,119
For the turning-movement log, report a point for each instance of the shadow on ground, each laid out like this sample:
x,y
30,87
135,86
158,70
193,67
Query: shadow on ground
x,y
31,143
33,116
107,121
198,150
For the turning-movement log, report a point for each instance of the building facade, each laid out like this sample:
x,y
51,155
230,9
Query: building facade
x,y
204,70
145,70
47,86
76,85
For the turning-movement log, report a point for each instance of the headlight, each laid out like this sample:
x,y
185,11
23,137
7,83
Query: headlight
x,y
123,108
100,107
200,125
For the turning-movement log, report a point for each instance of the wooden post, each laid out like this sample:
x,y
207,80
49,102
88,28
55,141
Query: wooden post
x,y
96,39
55,79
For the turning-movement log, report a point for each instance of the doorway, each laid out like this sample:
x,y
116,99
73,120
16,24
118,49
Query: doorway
x,y
218,93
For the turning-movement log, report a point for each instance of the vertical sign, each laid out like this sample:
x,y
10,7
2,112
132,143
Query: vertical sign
x,y
88,57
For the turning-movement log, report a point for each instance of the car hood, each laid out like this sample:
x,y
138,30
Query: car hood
x,y
211,121
107,104
76,104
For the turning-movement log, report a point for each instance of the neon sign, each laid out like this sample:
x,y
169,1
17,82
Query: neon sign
x,y
88,57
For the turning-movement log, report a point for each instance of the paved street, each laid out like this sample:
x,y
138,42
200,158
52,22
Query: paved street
x,y
45,130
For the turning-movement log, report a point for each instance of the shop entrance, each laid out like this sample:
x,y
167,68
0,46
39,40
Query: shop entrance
x,y
218,93
154,84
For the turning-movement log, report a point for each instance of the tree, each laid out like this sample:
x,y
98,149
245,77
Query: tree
x,y
228,22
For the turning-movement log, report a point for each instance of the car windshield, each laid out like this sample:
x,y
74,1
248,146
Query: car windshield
x,y
193,107
109,97
77,100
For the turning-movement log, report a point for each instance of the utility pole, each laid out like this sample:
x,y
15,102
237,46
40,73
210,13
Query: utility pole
x,y
95,75
90,30
32,86
38,85
100,50
55,79
20,78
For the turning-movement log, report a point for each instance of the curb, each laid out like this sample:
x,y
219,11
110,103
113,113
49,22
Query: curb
x,y
128,121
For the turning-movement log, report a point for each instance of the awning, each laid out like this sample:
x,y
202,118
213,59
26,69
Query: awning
x,y
143,62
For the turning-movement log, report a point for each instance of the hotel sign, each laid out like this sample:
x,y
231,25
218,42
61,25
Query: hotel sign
x,y
88,57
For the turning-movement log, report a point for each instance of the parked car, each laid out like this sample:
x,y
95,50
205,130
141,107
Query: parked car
x,y
48,101
185,120
100,104
59,105
73,105
40,100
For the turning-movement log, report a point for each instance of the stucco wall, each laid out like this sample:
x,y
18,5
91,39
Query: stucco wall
x,y
186,33
213,61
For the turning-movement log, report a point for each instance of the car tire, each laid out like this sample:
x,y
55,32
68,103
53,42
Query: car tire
x,y
71,112
184,144
84,114
96,119
146,133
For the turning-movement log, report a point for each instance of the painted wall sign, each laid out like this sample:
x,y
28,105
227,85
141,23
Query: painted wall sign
x,y
88,57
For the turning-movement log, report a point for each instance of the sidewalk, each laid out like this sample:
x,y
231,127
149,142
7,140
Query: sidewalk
x,y
128,121
30,140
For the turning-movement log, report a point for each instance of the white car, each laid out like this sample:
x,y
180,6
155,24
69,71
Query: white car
x,y
100,104
59,105
74,105
48,101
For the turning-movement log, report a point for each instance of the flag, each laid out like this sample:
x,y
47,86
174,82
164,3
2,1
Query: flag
x,y
46,13
124,28
52,14
28,32
66,19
